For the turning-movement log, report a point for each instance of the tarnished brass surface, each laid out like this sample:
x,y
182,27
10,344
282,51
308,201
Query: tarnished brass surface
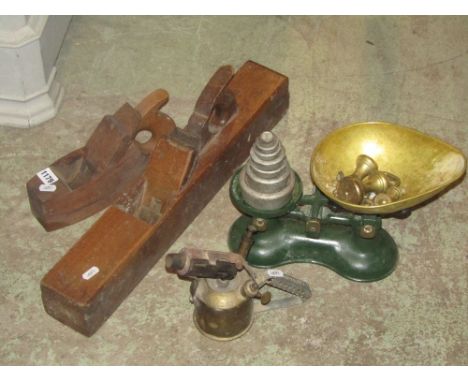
x,y
424,164
222,312
349,189
377,183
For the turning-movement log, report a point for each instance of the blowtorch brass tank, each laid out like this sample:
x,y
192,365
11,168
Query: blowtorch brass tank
x,y
222,312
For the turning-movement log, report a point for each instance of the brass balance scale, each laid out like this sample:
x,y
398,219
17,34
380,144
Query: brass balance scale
x,y
363,173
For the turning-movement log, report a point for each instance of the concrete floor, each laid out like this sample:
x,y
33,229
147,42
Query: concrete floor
x,y
408,70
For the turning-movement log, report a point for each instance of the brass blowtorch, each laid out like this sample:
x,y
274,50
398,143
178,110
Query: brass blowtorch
x,y
225,291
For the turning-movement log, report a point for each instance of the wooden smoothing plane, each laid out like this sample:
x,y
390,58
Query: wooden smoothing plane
x,y
93,177
172,178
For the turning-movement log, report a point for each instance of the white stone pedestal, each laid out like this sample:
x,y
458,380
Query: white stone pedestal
x,y
29,45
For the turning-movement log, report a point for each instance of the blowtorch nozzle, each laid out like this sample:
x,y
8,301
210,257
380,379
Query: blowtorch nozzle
x,y
175,262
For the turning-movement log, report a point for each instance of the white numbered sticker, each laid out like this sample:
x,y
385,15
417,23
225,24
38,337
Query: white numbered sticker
x,y
275,273
91,272
47,187
47,176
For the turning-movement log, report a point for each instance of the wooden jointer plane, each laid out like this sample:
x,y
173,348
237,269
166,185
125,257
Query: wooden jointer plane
x,y
154,189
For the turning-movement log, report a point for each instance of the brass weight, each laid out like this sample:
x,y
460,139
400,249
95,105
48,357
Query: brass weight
x,y
367,185
392,194
351,188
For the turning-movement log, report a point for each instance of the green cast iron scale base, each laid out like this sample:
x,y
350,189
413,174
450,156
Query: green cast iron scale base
x,y
311,229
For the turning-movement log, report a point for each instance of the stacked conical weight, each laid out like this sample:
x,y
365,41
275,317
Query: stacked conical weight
x,y
267,181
